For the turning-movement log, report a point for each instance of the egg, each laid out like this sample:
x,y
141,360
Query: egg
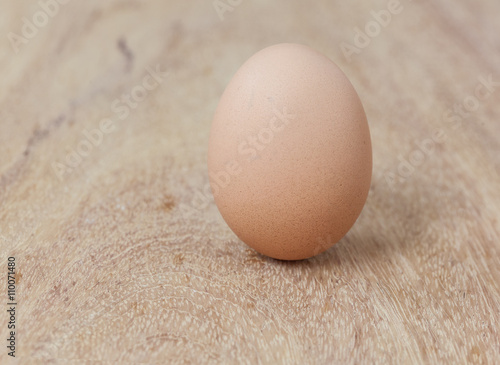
x,y
289,155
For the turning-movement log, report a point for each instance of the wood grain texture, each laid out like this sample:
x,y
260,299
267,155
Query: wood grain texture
x,y
121,256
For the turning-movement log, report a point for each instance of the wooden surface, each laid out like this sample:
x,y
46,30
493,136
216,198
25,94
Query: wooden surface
x,y
122,258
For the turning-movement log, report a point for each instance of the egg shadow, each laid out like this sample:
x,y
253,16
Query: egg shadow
x,y
393,222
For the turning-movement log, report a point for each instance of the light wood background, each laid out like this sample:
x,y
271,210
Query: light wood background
x,y
121,256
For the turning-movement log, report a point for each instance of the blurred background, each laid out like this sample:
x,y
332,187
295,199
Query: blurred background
x,y
104,121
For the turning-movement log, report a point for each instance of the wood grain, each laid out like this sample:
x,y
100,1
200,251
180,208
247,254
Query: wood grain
x,y
121,256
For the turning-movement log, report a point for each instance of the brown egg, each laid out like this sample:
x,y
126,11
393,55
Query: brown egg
x,y
289,156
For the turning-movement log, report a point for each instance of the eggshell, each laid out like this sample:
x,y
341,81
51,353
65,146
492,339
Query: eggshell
x,y
289,156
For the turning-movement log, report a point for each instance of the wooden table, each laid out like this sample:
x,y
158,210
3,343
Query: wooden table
x,y
120,253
